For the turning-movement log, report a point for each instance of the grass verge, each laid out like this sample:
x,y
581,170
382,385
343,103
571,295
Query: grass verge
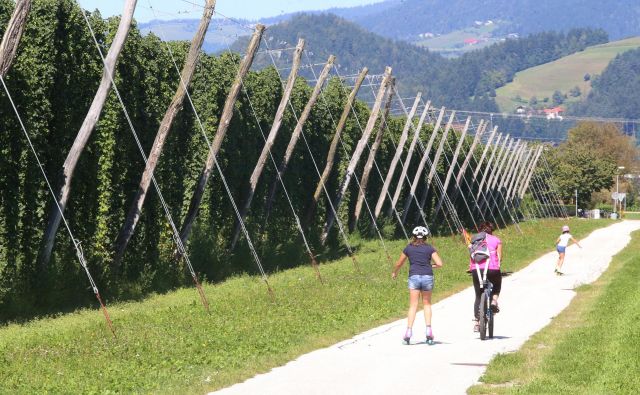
x,y
590,348
168,344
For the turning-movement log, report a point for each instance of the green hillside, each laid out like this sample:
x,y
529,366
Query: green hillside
x,y
563,75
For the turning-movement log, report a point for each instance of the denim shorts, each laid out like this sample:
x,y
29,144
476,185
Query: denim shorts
x,y
421,282
561,249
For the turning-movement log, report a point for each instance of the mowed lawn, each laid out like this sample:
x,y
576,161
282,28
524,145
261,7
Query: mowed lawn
x,y
592,347
168,344
563,74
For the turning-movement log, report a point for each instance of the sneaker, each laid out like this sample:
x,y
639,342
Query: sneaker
x,y
559,273
476,326
494,308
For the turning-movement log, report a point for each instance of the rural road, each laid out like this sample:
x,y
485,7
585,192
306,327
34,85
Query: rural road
x,y
376,362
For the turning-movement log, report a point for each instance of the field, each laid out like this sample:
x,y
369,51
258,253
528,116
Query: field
x,y
168,344
452,44
590,348
563,75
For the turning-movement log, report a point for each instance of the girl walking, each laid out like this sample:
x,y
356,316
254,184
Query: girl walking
x,y
422,259
561,246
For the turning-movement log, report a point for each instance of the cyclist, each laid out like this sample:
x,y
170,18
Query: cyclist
x,y
422,259
493,273
561,246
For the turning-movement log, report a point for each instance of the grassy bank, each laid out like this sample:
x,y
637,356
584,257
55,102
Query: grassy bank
x,y
590,348
168,344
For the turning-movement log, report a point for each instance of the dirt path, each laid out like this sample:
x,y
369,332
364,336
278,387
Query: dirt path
x,y
376,362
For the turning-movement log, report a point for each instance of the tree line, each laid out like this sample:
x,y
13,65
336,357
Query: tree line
x,y
53,79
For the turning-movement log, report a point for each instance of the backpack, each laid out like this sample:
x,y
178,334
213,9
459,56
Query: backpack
x,y
479,249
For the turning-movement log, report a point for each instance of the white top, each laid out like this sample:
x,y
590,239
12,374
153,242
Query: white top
x,y
564,239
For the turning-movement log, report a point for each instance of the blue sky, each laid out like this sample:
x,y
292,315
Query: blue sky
x,y
248,9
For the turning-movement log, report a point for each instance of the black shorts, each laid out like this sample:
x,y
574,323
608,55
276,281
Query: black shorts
x,y
495,276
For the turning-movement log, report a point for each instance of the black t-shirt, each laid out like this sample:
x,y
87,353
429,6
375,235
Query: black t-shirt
x,y
419,259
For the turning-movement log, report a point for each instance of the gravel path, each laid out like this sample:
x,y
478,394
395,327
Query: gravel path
x,y
376,362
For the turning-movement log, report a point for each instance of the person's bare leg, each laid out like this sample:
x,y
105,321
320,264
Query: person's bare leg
x,y
560,261
426,302
414,296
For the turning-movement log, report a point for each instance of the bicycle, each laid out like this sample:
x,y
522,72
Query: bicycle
x,y
485,314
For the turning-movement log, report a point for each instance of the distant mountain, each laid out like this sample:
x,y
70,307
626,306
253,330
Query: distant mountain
x,y
220,35
450,26
407,19
469,81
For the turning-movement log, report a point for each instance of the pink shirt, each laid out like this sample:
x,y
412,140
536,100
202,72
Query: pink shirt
x,y
494,264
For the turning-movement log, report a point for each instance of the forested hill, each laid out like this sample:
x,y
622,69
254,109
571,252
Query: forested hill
x,y
615,91
468,81
406,19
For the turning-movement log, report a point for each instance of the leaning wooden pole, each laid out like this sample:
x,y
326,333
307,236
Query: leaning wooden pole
x,y
484,153
517,178
88,125
454,160
295,136
331,156
223,126
436,161
421,165
529,174
271,138
11,37
407,161
355,158
396,157
522,177
174,108
492,164
366,172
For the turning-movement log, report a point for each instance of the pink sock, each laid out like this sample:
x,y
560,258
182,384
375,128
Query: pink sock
x,y
429,331
407,334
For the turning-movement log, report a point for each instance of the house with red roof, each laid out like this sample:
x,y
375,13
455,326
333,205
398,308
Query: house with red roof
x,y
554,113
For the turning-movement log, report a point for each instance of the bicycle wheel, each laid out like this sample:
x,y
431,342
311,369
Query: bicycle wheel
x,y
483,316
491,318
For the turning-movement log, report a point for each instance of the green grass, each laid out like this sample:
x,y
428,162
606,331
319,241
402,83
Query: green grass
x,y
632,215
168,344
562,74
590,348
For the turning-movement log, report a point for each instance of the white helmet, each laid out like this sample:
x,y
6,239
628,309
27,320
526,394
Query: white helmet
x,y
420,232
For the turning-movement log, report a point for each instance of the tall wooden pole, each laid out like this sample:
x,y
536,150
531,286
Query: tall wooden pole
x,y
484,153
482,125
88,125
223,126
454,160
295,136
436,161
163,132
407,161
11,37
355,158
492,166
396,157
364,180
498,176
271,138
334,145
421,165
529,174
